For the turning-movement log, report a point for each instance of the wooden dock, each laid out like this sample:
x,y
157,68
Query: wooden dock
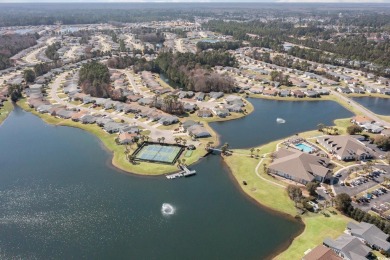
x,y
184,173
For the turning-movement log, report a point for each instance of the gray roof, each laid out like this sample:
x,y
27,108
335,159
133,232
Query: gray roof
x,y
370,233
350,246
300,165
198,131
343,145
189,123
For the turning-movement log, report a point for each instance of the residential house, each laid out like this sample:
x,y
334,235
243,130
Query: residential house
x,y
321,252
301,167
126,138
64,113
88,119
345,148
221,112
284,93
200,96
216,95
256,90
370,234
270,92
77,116
188,107
130,129
198,131
344,90
204,113
348,247
112,127
312,93
168,120
298,93
372,128
362,120
189,123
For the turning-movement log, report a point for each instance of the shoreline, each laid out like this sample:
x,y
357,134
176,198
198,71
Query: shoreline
x,y
117,151
256,185
283,247
273,209
7,108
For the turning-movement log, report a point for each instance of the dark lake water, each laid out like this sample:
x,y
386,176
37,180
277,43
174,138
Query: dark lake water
x,y
377,105
60,199
260,126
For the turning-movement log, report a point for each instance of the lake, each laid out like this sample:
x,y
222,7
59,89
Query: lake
x,y
61,199
260,127
377,105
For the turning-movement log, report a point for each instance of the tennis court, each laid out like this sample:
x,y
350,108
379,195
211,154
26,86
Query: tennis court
x,y
159,153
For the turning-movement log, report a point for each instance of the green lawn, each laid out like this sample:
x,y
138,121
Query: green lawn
x,y
5,110
317,227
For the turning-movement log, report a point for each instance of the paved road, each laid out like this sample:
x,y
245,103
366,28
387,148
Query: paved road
x,y
361,108
135,87
154,132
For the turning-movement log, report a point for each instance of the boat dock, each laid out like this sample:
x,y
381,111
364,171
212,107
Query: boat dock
x,y
174,176
185,173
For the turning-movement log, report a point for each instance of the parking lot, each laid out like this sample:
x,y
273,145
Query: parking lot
x,y
377,202
363,184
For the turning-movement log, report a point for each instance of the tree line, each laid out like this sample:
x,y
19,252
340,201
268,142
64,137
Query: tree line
x,y
94,79
10,44
192,71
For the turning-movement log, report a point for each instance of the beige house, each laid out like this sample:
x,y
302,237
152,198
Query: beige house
x,y
345,148
301,167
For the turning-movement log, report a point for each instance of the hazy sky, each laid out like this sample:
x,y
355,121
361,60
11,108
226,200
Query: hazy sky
x,y
189,1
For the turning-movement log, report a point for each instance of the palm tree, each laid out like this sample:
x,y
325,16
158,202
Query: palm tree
x,y
258,152
184,142
321,127
159,140
162,139
252,150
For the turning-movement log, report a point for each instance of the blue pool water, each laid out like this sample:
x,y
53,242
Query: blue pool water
x,y
303,147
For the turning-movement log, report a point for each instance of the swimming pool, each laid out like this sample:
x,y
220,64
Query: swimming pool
x,y
304,148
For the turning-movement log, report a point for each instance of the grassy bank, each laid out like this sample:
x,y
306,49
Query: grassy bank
x,y
368,95
5,110
271,193
119,158
322,98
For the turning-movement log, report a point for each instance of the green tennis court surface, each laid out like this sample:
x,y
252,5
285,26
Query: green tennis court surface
x,y
158,153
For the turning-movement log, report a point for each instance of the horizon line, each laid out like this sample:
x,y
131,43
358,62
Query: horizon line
x,y
202,1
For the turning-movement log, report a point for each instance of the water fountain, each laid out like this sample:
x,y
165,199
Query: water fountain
x,y
167,209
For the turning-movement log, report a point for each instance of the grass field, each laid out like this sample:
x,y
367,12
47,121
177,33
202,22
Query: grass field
x,y
317,226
